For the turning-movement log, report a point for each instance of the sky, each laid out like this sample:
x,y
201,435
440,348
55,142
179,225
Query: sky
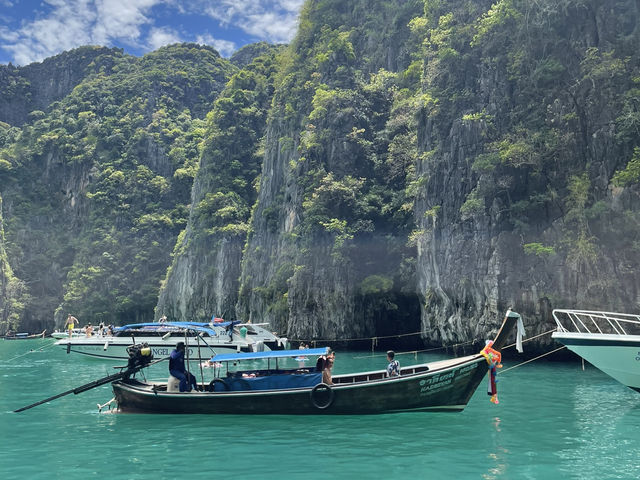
x,y
32,30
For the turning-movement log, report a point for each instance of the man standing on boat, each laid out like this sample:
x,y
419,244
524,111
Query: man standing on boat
x,y
178,370
70,324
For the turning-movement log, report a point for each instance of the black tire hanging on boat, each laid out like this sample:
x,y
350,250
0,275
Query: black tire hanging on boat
x,y
317,394
218,380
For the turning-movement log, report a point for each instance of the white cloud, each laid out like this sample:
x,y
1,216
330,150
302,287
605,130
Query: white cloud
x,y
59,25
224,47
71,23
272,20
159,37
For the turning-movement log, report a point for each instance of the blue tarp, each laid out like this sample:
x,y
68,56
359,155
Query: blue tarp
x,y
270,382
231,357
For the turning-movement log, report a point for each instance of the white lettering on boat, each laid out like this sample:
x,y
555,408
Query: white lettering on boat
x,y
444,380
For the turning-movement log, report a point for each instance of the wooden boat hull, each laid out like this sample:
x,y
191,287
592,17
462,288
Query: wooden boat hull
x,y
444,388
24,336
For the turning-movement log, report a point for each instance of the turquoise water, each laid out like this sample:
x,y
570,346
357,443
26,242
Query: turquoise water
x,y
554,420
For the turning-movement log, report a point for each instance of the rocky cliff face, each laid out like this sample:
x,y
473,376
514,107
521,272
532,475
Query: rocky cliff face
x,y
324,253
12,290
96,186
520,206
203,279
36,86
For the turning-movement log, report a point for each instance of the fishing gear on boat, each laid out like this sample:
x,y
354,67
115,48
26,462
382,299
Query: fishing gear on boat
x,y
140,356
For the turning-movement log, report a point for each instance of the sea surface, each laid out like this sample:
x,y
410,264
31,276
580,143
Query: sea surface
x,y
554,420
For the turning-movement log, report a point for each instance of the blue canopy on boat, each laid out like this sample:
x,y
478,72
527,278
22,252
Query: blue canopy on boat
x,y
230,357
170,326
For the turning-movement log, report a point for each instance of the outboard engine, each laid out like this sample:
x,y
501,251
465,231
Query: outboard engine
x,y
140,355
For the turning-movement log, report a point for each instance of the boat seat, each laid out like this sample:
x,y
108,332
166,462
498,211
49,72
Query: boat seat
x,y
173,384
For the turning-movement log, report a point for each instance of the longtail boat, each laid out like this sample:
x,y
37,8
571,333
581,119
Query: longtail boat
x,y
24,336
445,385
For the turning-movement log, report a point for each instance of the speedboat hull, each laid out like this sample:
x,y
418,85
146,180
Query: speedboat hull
x,y
610,341
115,348
617,356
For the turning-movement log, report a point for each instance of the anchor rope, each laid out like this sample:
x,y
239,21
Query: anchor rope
x,y
502,372
530,338
41,349
413,352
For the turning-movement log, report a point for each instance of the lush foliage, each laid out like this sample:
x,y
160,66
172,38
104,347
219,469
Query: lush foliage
x,y
100,184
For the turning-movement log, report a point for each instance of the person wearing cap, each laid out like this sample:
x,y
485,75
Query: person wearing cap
x,y
178,370
393,369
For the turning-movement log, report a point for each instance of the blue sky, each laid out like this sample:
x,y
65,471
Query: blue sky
x,y
32,30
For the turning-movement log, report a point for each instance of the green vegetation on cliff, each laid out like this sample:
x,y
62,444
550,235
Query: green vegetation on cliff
x,y
456,157
99,185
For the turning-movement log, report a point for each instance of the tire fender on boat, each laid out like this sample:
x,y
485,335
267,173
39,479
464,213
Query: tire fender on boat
x,y
317,394
218,380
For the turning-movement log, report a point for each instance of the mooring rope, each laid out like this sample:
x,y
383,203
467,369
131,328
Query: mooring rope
x,y
502,372
41,349
414,352
530,338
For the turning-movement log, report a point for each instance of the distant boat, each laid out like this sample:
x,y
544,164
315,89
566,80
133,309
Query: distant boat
x,y
445,385
609,341
24,336
203,339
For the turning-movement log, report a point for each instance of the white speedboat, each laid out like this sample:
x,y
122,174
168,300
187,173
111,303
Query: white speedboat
x,y
76,332
202,339
609,341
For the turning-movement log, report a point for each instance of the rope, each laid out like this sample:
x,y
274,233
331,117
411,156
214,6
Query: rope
x,y
415,352
531,360
531,338
41,349
373,339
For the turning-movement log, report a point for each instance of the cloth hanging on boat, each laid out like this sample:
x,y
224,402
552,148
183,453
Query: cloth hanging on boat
x,y
519,334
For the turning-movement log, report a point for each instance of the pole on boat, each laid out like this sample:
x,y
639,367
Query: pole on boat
x,y
200,358
77,390
134,366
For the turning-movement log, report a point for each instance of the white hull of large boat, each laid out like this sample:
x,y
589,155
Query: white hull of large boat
x,y
115,348
616,355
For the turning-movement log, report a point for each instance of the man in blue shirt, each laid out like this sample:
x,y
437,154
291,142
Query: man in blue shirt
x,y
178,370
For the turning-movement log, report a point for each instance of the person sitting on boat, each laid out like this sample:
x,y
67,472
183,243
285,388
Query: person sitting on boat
x,y
88,330
70,324
178,370
393,369
326,373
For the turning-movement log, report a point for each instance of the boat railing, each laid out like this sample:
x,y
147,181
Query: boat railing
x,y
596,322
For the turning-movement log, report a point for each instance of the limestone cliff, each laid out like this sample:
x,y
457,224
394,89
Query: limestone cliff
x,y
12,290
203,278
327,244
36,86
521,204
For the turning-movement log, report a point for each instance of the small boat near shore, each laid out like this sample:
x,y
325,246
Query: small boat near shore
x,y
445,385
203,339
24,336
609,341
